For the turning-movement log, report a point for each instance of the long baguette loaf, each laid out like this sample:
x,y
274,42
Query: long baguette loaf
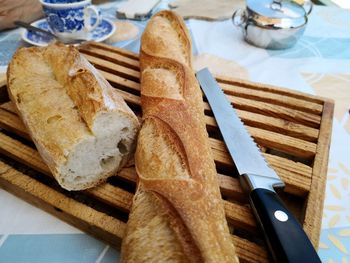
x,y
82,129
177,213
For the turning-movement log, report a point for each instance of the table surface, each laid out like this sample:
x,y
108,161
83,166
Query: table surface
x,y
319,64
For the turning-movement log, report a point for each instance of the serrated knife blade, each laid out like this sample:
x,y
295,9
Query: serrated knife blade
x,y
285,237
237,138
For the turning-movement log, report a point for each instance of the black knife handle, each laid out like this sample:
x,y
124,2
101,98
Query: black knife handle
x,y
287,241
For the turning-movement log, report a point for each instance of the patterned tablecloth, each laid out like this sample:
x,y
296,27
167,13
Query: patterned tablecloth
x,y
318,64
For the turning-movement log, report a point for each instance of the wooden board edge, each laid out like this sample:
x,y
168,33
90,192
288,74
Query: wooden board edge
x,y
315,200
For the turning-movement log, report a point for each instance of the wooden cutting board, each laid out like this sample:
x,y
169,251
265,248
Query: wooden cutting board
x,y
293,130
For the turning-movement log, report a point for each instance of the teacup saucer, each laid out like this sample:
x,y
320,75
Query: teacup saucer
x,y
103,31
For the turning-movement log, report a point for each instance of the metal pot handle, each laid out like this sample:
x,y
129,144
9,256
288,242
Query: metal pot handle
x,y
308,6
276,4
239,17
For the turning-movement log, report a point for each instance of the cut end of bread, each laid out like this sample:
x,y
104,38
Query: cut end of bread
x,y
99,156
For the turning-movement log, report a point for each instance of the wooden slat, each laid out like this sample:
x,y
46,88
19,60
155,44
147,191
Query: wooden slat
x,y
121,51
128,174
11,122
133,86
9,106
111,195
223,158
276,111
23,154
272,124
240,217
276,99
227,184
270,88
293,167
283,143
112,67
129,98
88,219
252,252
113,57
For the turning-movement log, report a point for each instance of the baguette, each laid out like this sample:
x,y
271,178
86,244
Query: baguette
x,y
177,213
82,129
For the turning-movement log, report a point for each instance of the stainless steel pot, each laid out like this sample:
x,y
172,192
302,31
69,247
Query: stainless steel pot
x,y
272,24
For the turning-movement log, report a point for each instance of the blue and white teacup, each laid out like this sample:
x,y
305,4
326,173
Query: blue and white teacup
x,y
71,19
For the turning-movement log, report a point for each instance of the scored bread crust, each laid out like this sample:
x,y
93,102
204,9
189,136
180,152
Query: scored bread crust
x,y
72,114
177,213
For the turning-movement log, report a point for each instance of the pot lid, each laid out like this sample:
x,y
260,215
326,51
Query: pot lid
x,y
283,14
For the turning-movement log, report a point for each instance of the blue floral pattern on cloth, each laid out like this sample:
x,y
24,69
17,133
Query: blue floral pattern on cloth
x,y
66,20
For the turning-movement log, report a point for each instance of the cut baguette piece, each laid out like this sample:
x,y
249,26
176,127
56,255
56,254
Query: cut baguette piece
x,y
83,130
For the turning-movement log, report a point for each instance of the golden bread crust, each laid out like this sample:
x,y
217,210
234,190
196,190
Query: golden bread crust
x,y
173,158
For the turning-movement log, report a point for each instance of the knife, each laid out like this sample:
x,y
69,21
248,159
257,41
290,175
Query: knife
x,y
285,237
33,28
